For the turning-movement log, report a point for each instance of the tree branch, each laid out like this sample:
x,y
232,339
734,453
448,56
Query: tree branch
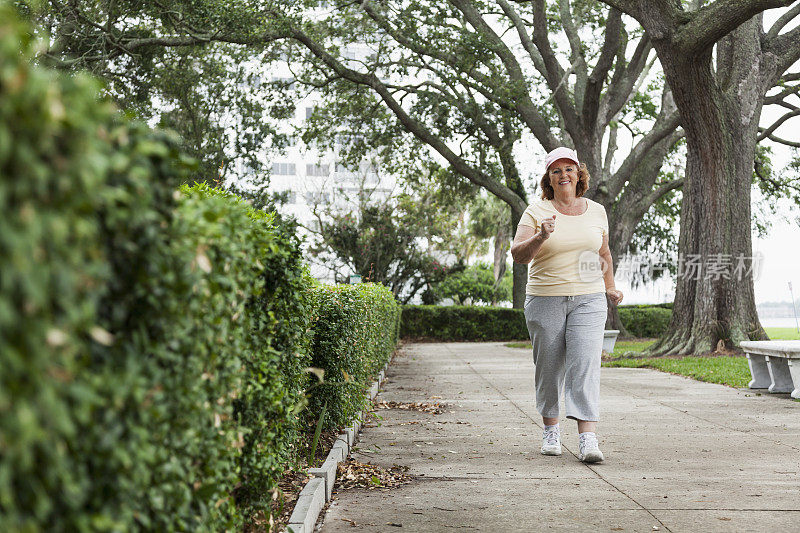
x,y
553,70
524,37
524,104
778,99
576,54
787,48
782,21
630,7
594,85
712,22
764,133
621,86
664,126
415,127
528,112
610,149
780,140
661,190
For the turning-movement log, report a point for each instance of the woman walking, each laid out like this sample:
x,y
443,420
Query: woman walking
x,y
565,238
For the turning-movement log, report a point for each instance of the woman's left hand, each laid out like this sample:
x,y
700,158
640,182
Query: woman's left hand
x,y
614,295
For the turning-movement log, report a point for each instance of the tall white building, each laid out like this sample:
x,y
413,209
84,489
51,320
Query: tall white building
x,y
314,180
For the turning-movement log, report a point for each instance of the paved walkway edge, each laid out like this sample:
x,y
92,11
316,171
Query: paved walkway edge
x,y
319,488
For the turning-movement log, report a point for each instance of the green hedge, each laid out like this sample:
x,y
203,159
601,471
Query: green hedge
x,y
666,305
462,323
355,332
475,323
645,321
252,316
152,343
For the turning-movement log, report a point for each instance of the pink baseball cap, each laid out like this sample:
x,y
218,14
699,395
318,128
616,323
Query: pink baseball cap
x,y
562,152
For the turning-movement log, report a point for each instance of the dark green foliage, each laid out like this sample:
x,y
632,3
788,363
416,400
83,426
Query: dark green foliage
x,y
152,343
354,337
473,323
645,321
462,323
384,242
51,159
666,305
255,314
475,282
203,92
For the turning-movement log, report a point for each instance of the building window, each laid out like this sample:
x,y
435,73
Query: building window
x,y
309,112
283,169
318,197
317,170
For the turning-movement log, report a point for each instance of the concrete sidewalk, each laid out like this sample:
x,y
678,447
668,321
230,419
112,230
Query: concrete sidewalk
x,y
681,455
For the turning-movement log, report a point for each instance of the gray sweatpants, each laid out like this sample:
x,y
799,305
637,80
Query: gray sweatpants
x,y
567,337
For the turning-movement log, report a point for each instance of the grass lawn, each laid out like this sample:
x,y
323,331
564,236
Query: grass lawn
x,y
520,344
731,371
783,334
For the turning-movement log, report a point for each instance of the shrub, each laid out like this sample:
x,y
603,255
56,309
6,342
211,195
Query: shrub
x,y
355,333
645,321
269,300
53,164
152,344
665,305
462,323
468,323
475,283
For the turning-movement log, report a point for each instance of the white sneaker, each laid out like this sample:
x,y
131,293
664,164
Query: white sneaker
x,y
551,441
589,450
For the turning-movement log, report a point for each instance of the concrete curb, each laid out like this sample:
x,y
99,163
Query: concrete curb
x,y
317,492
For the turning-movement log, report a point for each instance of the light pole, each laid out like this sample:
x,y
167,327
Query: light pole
x,y
794,308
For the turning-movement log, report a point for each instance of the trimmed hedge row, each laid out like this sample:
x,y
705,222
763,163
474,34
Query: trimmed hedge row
x,y
356,330
462,323
154,341
645,321
475,323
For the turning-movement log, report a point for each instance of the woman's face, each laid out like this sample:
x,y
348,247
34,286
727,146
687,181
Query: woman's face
x,y
563,175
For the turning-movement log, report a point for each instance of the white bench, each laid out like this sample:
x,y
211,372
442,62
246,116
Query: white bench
x,y
774,365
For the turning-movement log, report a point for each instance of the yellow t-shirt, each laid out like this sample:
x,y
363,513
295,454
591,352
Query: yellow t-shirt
x,y
567,264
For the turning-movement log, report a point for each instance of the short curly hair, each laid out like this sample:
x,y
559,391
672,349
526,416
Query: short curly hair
x,y
583,183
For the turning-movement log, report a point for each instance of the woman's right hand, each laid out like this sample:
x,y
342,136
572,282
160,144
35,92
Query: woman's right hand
x,y
547,227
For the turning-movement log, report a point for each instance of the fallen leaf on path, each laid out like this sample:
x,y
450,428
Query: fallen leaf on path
x,y
435,408
354,474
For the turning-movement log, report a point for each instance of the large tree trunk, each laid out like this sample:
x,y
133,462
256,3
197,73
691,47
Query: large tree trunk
x,y
713,308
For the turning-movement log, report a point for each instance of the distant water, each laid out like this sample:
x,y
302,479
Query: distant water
x,y
777,322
